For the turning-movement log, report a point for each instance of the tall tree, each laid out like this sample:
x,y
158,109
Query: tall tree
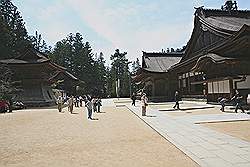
x,y
101,75
120,72
8,87
77,57
13,34
40,44
135,67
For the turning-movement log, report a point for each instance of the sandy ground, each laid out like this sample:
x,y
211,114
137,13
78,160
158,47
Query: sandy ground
x,y
44,137
240,129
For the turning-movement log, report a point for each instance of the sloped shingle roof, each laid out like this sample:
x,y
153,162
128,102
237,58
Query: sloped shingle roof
x,y
160,62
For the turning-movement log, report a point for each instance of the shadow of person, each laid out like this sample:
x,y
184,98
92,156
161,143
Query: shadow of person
x,y
74,113
195,108
94,119
168,110
150,115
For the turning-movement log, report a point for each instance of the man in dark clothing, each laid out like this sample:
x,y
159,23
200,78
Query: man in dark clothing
x,y
133,97
177,98
238,99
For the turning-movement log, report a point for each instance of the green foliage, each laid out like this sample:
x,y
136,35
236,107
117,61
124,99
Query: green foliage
x,y
101,75
13,35
119,70
135,67
72,53
40,44
78,58
7,87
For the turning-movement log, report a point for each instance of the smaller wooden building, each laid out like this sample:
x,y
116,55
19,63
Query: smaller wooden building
x,y
36,74
158,84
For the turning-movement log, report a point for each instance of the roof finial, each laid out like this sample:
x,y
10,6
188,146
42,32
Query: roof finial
x,y
229,5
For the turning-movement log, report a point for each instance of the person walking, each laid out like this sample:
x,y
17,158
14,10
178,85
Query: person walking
x,y
177,98
238,99
77,101
81,100
94,100
59,103
133,97
99,104
144,104
222,101
71,104
89,106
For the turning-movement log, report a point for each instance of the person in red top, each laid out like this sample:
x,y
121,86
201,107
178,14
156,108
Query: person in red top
x,y
4,105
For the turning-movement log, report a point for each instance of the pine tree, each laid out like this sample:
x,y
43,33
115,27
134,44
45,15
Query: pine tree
x,y
135,67
13,34
78,58
101,76
120,71
40,44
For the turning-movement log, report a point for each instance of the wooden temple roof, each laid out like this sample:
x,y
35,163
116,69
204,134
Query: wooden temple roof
x,y
206,60
30,56
160,62
60,75
156,65
224,20
33,57
231,29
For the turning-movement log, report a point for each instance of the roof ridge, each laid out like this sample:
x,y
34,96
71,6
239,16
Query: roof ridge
x,y
161,54
207,12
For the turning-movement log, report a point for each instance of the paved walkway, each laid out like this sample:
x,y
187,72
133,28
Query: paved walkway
x,y
205,146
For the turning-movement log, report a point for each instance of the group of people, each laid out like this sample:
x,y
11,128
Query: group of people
x,y
92,104
237,98
238,101
69,100
144,102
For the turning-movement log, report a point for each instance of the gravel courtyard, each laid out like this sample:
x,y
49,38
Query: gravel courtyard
x,y
45,137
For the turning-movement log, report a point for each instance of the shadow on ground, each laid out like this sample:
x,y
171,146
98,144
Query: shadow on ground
x,y
185,109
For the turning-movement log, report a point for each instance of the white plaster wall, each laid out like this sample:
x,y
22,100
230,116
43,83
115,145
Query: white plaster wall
x,y
245,84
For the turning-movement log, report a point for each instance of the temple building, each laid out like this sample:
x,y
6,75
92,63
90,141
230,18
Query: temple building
x,y
216,60
36,74
154,74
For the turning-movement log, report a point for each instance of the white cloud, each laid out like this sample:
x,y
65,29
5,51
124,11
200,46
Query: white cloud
x,y
128,25
125,28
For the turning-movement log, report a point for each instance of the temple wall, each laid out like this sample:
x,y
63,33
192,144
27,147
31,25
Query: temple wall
x,y
36,92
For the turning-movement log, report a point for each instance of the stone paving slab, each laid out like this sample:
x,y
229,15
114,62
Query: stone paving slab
x,y
205,146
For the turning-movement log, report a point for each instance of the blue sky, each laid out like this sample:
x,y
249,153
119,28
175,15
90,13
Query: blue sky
x,y
130,25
